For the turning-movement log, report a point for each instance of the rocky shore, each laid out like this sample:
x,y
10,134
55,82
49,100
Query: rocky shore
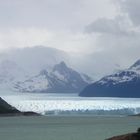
x,y
8,110
130,136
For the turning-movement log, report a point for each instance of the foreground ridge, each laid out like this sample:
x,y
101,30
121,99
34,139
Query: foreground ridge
x,y
8,110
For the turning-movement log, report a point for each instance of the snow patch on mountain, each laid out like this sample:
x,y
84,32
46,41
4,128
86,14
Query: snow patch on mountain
x,y
123,76
125,83
136,67
119,77
33,84
60,76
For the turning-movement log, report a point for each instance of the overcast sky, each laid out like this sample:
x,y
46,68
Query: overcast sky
x,y
106,28
54,23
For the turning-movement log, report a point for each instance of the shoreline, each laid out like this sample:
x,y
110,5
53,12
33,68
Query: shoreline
x,y
129,136
29,113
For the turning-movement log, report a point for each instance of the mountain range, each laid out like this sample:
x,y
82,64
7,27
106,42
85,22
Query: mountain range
x,y
48,70
40,69
125,83
60,79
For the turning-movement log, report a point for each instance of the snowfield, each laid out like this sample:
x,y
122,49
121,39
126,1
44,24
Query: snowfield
x,y
72,104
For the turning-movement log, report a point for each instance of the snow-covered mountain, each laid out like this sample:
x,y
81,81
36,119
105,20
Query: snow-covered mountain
x,y
39,69
124,83
60,79
136,66
35,58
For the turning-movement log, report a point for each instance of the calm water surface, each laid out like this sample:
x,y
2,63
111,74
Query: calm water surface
x,y
65,127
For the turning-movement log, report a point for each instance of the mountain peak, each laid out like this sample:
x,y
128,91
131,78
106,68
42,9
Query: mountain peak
x,y
125,83
136,65
59,79
60,67
62,63
44,72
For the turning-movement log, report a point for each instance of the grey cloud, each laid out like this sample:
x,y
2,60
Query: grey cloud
x,y
37,12
113,50
52,14
103,25
118,42
128,13
131,8
109,26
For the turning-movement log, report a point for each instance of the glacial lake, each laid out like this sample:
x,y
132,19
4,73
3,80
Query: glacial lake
x,y
65,127
69,117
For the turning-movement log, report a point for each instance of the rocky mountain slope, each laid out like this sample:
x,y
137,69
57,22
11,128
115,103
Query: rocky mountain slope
x,y
8,110
39,69
125,83
5,108
60,79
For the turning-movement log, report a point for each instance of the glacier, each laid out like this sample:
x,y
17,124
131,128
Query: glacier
x,y
72,104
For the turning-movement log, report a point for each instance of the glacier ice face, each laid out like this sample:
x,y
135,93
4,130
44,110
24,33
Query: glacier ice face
x,y
46,104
